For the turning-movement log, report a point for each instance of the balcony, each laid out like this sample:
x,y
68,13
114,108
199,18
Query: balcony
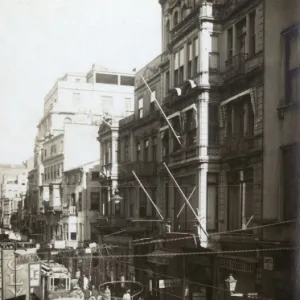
x,y
235,66
113,222
69,211
229,6
241,145
141,168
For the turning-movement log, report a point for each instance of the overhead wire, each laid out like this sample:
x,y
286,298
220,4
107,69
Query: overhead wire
x,y
186,280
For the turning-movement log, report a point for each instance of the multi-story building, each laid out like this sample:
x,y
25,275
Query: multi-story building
x,y
13,181
67,135
280,271
211,81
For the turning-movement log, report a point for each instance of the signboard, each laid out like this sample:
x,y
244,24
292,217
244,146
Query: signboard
x,y
35,275
268,263
60,244
15,282
169,283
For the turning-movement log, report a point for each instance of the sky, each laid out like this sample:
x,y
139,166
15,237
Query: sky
x,y
41,40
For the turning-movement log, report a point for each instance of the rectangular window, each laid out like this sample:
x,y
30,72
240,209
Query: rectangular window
x,y
229,43
142,204
106,78
73,236
240,198
212,202
126,150
176,67
154,149
95,201
54,171
190,59
291,186
196,54
292,65
176,126
152,100
138,151
167,201
252,36
80,201
140,108
51,176
167,83
146,150
94,232
241,37
127,80
181,66
95,176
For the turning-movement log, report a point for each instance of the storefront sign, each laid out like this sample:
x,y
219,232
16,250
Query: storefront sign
x,y
169,283
15,282
34,275
60,244
268,263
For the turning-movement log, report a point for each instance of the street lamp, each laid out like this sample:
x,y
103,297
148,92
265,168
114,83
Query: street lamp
x,y
230,283
116,197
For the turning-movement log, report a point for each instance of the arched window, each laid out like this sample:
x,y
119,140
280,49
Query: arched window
x,y
67,120
175,18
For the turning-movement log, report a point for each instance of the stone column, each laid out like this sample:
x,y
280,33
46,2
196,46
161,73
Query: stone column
x,y
202,201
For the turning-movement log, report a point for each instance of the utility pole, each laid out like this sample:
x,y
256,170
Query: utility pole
x,y
15,254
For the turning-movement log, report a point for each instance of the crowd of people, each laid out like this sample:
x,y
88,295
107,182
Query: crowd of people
x,y
91,292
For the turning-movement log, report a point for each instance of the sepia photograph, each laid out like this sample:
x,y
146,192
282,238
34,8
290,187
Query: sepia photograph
x,y
149,149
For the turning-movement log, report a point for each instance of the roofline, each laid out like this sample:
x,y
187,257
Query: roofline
x,y
83,165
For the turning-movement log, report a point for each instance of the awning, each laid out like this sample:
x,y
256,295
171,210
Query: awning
x,y
161,257
235,97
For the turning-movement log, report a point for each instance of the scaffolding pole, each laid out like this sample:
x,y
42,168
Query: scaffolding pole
x,y
148,196
185,198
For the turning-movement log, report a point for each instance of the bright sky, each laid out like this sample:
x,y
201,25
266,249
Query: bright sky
x,y
43,39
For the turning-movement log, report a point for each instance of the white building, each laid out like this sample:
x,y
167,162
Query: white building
x,y
67,132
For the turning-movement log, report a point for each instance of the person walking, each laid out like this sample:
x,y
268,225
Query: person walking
x,y
107,293
127,295
95,292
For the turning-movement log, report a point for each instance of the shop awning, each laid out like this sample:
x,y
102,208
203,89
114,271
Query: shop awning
x,y
161,257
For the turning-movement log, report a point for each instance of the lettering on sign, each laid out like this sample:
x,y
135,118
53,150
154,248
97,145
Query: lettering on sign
x,y
34,275
16,288
169,283
268,263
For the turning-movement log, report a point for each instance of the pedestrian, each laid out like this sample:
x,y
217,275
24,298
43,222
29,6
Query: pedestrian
x,y
107,293
127,295
87,294
85,282
95,292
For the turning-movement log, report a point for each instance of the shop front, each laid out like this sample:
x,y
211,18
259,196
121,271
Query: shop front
x,y
243,269
165,275
199,274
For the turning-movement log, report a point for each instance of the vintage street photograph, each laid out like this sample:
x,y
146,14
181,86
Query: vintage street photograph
x,y
149,149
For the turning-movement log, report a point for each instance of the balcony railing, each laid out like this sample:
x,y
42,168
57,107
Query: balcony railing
x,y
230,5
69,211
240,145
235,66
141,168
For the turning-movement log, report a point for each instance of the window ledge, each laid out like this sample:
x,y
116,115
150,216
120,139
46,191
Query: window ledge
x,y
281,109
